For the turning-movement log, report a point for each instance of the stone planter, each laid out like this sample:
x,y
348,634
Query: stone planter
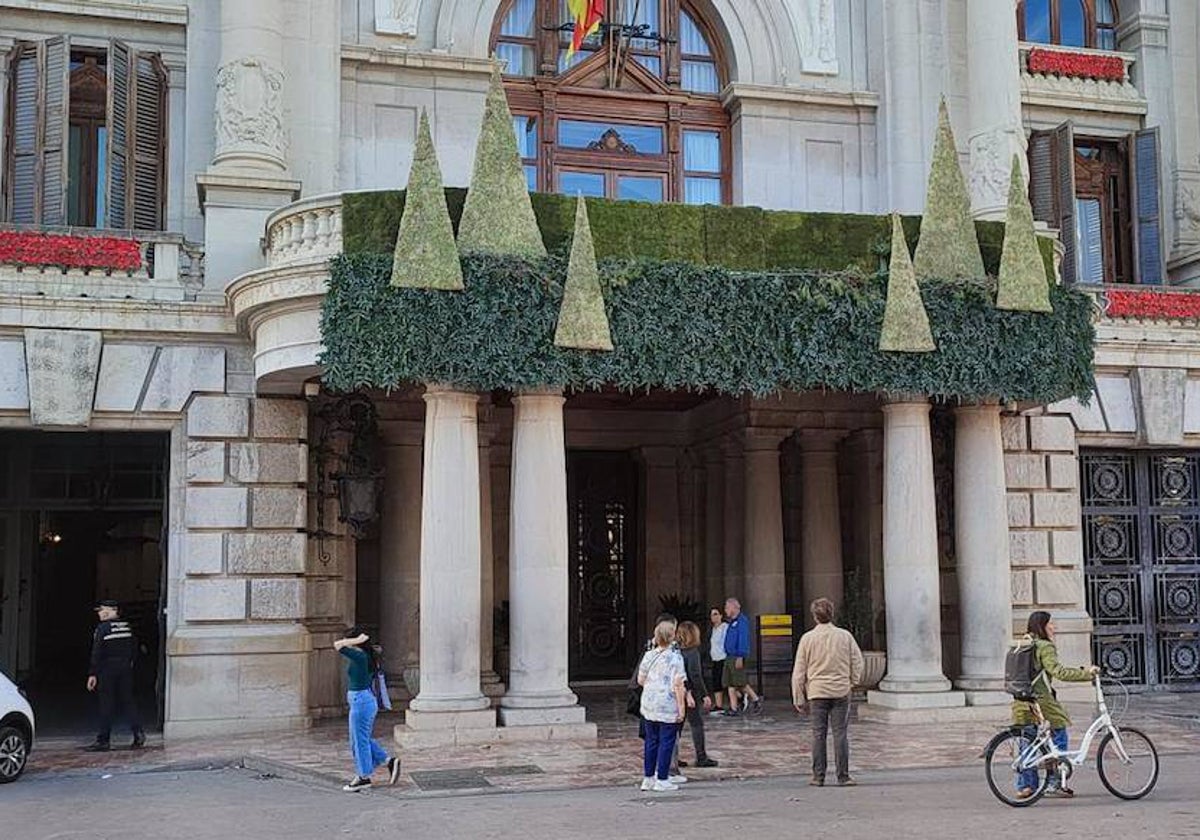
x,y
875,662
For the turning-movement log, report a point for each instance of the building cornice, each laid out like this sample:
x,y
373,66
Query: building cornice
x,y
175,14
209,320
741,92
434,60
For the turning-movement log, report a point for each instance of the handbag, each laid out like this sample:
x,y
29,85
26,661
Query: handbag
x,y
380,689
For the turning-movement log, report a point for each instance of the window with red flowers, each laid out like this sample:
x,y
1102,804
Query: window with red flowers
x,y
1069,23
85,136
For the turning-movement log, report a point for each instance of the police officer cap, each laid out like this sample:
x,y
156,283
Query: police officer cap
x,y
107,603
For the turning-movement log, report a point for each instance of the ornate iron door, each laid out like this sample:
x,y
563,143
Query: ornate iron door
x,y
1141,533
602,495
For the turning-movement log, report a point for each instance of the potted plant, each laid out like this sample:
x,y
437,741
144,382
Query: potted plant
x,y
858,616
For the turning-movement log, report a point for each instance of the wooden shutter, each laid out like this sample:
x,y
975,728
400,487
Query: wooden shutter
x,y
148,110
1052,188
39,108
1042,194
1147,209
117,167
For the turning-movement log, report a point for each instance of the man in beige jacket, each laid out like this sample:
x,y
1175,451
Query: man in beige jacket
x,y
828,665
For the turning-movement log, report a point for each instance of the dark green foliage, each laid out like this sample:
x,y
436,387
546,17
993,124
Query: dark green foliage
x,y
738,238
699,328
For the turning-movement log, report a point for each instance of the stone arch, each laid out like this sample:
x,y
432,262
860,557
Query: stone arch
x,y
759,37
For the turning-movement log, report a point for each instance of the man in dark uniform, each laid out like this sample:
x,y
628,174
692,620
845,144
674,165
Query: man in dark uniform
x,y
111,673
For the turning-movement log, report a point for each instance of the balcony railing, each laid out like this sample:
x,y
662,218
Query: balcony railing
x,y
1058,77
307,231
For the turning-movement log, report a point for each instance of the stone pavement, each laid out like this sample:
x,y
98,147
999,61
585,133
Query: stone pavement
x,y
774,743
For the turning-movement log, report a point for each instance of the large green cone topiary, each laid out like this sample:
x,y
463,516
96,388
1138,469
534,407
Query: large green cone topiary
x,y
426,256
905,322
498,216
582,320
948,247
1023,284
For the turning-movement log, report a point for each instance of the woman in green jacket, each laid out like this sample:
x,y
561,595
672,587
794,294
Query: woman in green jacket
x,y
1040,631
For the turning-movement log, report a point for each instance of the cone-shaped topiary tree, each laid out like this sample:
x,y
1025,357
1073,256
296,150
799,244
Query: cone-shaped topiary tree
x,y
1023,284
905,322
582,320
426,256
498,216
948,247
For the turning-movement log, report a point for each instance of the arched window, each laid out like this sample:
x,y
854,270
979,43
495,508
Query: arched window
x,y
1069,23
635,114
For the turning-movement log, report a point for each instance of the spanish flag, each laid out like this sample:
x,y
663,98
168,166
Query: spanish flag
x,y
587,15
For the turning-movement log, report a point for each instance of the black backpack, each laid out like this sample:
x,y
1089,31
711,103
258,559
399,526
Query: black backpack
x,y
1021,671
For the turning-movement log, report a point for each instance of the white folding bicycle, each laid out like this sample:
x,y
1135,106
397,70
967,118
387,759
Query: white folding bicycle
x,y
1125,759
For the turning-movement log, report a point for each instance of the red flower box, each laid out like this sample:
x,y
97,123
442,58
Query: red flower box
x,y
1180,306
1077,65
107,252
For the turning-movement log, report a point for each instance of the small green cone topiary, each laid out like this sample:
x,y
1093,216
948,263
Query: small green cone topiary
x,y
905,322
426,256
582,320
949,247
1023,284
498,216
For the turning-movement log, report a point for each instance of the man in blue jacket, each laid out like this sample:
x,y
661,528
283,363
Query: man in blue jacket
x,y
737,651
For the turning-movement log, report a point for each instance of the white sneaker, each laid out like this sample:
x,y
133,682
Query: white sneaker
x,y
677,780
663,787
648,783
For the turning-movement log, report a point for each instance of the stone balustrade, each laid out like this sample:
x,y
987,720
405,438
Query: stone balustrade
x,y
1082,83
305,231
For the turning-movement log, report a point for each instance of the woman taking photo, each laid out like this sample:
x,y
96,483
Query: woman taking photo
x,y
689,645
361,667
661,677
1041,634
716,652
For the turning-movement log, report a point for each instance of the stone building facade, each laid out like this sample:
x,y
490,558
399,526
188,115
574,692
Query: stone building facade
x,y
239,125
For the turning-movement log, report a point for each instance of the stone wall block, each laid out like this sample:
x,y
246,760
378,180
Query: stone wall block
x,y
1064,472
1159,397
1056,510
62,367
216,507
203,553
281,419
14,378
123,370
1056,587
1052,433
183,371
214,600
205,462
268,463
1025,470
1013,434
266,553
278,507
277,598
1022,587
1029,548
1020,514
1066,548
218,417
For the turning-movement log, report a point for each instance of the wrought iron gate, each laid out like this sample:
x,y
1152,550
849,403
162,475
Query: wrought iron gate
x,y
1141,534
602,497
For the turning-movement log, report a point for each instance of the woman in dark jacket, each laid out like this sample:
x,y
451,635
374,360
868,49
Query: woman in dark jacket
x,y
361,666
689,646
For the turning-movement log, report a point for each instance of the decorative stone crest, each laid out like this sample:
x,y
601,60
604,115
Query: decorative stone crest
x,y
818,37
989,169
397,17
249,117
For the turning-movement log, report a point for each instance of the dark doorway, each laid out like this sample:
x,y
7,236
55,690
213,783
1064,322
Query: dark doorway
x,y
82,518
602,489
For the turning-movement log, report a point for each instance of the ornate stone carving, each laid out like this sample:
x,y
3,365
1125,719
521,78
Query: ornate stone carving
x,y
249,118
397,17
990,156
818,37
1187,212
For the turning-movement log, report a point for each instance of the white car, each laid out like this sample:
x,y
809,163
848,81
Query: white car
x,y
16,731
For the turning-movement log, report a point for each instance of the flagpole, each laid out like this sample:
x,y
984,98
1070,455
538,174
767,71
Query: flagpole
x,y
637,7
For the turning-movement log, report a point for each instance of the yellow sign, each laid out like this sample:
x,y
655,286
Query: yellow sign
x,y
775,620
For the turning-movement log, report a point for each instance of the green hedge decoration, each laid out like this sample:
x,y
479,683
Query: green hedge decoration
x,y
1022,282
700,328
738,238
582,321
948,247
497,216
425,255
905,322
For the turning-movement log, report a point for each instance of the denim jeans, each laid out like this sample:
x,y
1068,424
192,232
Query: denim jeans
x,y
366,750
824,712
1029,778
658,748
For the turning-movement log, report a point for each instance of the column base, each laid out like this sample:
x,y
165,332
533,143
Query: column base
x,y
983,691
542,716
924,707
988,698
425,729
492,687
928,685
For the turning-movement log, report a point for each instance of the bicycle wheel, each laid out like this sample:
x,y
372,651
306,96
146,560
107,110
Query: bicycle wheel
x,y
1002,756
1132,775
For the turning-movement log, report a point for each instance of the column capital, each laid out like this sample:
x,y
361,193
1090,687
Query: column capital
x,y
820,440
902,398
986,407
449,393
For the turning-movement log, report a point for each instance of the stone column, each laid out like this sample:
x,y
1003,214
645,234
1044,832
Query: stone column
x,y
663,564
981,546
903,108
400,554
910,575
539,598
994,85
766,580
489,679
735,518
450,702
821,524
714,526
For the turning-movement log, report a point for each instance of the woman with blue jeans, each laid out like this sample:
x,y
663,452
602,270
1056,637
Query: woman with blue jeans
x,y
361,668
1040,633
661,676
